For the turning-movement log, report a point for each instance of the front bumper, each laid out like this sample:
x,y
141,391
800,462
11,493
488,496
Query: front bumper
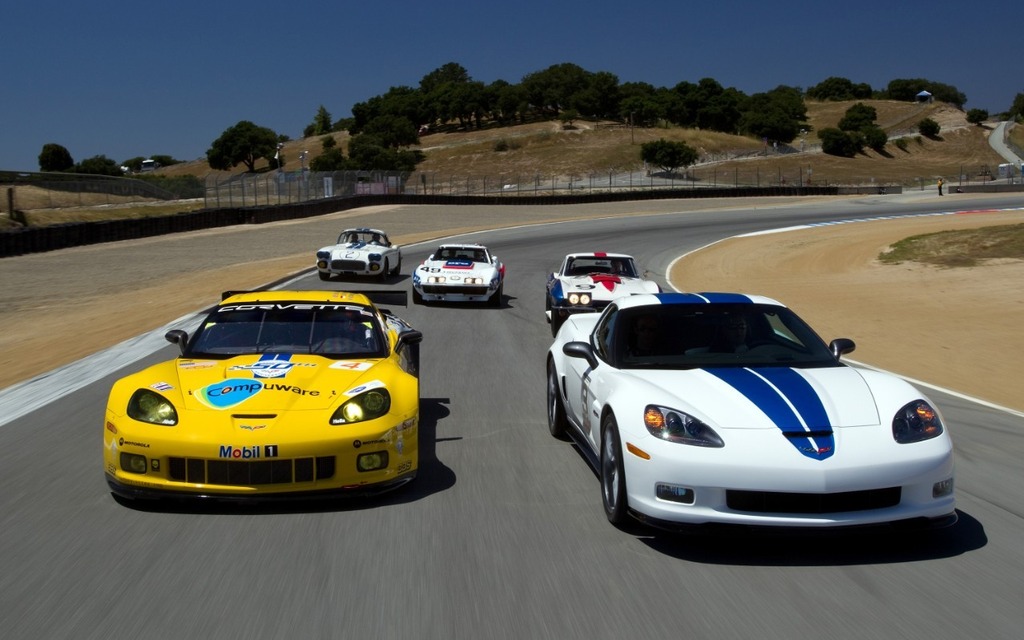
x,y
761,488
148,461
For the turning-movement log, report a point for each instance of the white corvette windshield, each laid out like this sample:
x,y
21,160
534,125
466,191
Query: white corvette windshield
x,y
717,335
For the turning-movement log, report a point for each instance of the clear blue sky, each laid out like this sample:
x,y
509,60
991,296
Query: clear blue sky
x,y
144,78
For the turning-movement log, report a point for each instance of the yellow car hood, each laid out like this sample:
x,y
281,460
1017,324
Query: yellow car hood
x,y
273,382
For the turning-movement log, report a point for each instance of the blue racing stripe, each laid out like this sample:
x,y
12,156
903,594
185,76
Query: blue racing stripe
x,y
800,393
699,298
754,385
725,297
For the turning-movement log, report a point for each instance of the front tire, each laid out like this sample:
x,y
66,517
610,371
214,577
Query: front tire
x,y
613,475
557,421
324,275
495,300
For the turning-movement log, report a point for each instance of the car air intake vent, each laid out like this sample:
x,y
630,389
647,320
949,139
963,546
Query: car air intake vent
x,y
769,502
246,473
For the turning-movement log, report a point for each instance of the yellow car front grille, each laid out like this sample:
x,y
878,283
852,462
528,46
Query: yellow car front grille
x,y
248,473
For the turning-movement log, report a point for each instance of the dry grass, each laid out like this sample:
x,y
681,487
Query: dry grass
x,y
959,248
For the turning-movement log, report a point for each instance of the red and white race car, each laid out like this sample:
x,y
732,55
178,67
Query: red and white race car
x,y
459,273
587,282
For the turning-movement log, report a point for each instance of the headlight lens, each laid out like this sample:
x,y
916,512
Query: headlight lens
x,y
579,298
676,426
149,406
366,406
915,422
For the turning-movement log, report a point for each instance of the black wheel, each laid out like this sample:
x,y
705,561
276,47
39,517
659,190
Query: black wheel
x,y
556,322
416,297
495,300
384,270
613,476
557,422
324,275
398,267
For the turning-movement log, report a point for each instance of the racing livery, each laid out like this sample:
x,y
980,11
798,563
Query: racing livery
x,y
359,252
459,273
587,282
277,393
702,408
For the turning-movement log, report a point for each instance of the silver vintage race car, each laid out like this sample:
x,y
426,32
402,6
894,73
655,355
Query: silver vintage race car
x,y
360,252
459,273
587,282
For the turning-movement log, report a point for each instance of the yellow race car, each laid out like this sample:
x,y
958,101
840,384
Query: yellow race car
x,y
276,394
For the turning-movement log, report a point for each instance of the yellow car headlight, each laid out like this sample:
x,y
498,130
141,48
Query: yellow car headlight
x,y
149,406
366,406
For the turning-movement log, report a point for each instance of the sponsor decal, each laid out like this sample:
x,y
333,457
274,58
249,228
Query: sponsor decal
x,y
360,443
253,452
161,386
277,386
375,384
789,401
229,393
196,364
285,306
458,264
271,365
405,466
132,443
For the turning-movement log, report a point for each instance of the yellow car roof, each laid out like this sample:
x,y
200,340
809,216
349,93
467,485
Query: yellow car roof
x,y
236,297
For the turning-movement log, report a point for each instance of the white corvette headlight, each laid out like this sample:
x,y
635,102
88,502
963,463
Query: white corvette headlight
x,y
915,422
677,426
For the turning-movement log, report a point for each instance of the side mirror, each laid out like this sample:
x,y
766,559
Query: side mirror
x,y
841,346
178,337
407,338
580,350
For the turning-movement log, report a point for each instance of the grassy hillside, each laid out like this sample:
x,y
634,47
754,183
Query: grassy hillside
x,y
547,149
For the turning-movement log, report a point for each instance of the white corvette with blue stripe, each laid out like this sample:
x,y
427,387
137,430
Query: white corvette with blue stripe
x,y
721,408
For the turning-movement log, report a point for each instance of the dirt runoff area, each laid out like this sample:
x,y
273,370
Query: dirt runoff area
x,y
955,328
952,328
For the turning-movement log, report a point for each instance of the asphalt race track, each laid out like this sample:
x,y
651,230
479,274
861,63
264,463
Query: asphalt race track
x,y
503,535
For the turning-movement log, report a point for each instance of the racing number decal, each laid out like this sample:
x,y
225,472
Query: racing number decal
x,y
585,404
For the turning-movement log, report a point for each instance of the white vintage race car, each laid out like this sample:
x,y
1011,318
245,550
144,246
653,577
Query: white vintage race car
x,y
360,252
587,282
459,273
710,408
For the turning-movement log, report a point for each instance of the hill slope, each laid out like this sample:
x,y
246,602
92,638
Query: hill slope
x,y
546,149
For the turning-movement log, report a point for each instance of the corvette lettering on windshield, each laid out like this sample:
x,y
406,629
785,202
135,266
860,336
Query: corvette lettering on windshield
x,y
296,306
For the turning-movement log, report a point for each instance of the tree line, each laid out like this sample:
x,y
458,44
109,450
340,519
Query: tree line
x,y
384,128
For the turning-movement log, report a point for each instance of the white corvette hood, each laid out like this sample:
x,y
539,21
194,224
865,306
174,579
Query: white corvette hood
x,y
458,268
354,249
817,399
606,286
